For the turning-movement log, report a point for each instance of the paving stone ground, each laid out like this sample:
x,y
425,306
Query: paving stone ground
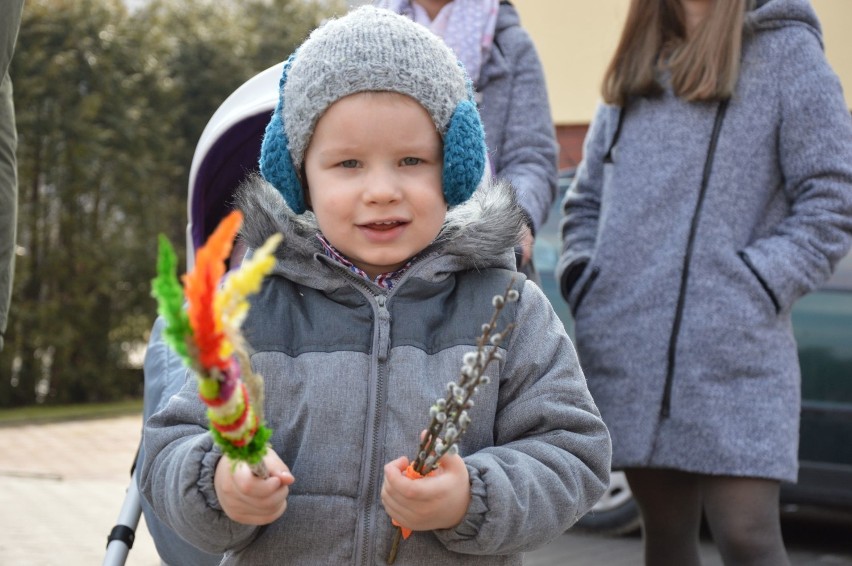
x,y
62,486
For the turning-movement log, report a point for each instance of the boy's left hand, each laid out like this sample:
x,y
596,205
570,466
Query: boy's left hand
x,y
438,501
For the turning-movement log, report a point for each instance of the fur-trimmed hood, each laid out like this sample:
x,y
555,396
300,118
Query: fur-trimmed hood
x,y
478,234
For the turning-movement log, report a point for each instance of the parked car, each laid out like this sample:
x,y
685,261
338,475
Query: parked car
x,y
822,322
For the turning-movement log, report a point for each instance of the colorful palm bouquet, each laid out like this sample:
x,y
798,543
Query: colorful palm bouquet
x,y
449,417
207,336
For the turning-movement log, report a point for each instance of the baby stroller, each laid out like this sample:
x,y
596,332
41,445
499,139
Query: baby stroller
x,y
225,155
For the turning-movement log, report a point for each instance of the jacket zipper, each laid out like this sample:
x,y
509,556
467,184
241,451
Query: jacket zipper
x,y
381,351
382,346
665,409
364,541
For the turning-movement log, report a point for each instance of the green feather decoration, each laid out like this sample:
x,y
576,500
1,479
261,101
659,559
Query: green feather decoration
x,y
252,453
166,288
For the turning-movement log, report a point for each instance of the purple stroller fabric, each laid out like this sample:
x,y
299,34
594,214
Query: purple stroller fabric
x,y
229,161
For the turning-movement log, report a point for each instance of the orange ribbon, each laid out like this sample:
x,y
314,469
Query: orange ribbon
x,y
413,474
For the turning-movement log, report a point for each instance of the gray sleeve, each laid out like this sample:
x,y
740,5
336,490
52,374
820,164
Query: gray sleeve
x,y
581,206
815,157
551,458
527,155
9,25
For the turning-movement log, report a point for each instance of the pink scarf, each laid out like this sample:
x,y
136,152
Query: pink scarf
x,y
466,26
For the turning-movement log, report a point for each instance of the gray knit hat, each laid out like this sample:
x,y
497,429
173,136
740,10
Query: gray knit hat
x,y
372,49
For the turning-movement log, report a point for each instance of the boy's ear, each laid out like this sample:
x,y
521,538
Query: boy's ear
x,y
464,154
276,164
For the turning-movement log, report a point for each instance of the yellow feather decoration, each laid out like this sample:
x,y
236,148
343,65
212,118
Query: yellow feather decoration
x,y
231,303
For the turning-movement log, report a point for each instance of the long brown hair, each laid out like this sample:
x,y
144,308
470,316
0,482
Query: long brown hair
x,y
703,66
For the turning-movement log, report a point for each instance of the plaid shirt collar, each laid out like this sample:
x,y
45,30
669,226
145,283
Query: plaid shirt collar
x,y
384,280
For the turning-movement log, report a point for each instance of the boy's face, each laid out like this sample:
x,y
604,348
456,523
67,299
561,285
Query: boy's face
x,y
373,171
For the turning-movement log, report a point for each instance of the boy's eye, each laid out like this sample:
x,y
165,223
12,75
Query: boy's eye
x,y
349,163
411,160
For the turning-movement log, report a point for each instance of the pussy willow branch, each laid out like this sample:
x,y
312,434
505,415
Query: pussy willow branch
x,y
449,415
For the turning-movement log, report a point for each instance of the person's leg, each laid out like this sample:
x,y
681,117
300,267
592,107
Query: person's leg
x,y
670,504
743,515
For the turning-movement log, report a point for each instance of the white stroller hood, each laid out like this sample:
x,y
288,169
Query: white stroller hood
x,y
227,152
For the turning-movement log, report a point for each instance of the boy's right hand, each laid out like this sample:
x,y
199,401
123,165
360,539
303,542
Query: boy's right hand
x,y
246,498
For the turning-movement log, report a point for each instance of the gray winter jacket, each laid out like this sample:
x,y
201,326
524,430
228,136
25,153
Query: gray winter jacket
x,y
683,310
519,131
350,373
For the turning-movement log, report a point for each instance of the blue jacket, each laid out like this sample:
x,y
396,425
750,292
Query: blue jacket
x,y
350,372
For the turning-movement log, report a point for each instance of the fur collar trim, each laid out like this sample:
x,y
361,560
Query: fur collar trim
x,y
481,232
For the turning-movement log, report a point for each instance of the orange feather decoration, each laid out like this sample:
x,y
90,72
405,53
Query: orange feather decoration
x,y
200,288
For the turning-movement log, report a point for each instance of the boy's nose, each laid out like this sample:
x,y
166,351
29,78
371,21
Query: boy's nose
x,y
382,186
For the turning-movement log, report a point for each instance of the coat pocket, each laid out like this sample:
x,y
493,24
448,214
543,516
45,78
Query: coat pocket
x,y
745,259
585,287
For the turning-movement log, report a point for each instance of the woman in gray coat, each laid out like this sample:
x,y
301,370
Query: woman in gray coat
x,y
715,190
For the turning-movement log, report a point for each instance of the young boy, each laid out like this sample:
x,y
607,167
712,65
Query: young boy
x,y
390,259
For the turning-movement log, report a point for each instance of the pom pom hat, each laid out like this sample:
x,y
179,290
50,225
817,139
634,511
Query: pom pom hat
x,y
372,49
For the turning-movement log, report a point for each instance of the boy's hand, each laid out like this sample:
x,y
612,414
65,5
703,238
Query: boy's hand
x,y
246,498
438,501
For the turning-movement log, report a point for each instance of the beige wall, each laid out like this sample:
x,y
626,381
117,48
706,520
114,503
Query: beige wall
x,y
575,39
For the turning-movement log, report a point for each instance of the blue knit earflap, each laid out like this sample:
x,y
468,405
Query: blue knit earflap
x,y
464,152
276,165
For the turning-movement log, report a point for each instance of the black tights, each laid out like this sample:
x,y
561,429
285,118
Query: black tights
x,y
742,514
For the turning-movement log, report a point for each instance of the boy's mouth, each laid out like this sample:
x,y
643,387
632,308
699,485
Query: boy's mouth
x,y
383,226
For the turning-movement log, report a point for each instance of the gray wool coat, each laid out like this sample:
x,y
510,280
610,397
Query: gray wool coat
x,y
350,372
683,308
513,103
